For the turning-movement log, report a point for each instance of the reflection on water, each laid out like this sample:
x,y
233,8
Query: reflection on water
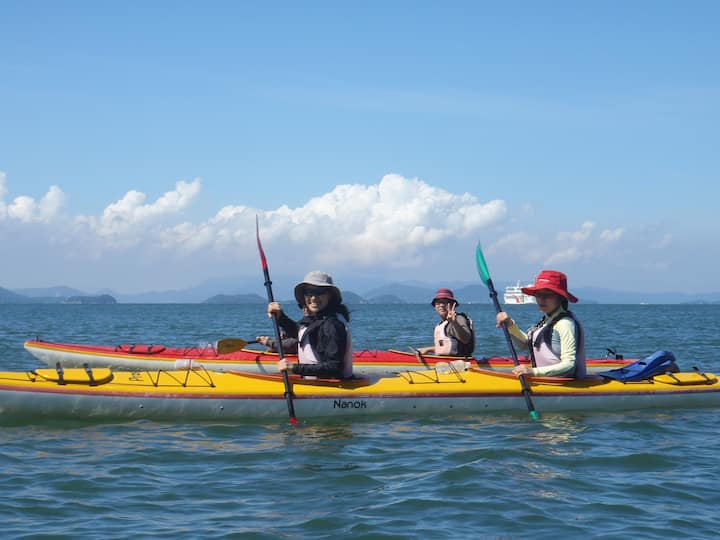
x,y
559,434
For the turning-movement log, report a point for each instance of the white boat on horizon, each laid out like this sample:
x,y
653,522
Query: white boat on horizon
x,y
514,295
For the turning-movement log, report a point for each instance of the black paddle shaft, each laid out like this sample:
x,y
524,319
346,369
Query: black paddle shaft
x,y
523,381
276,327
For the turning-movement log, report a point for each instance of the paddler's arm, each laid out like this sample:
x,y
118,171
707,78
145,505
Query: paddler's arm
x,y
460,328
285,322
518,337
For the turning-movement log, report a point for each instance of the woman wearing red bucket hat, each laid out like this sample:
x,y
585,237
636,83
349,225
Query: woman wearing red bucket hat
x,y
557,342
454,334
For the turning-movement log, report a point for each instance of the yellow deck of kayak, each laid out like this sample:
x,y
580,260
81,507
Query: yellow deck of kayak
x,y
475,381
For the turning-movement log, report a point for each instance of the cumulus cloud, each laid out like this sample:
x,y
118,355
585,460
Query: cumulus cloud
x,y
580,236
26,209
566,247
126,220
396,223
583,244
390,222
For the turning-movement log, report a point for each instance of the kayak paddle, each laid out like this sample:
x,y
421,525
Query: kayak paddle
x,y
419,356
231,344
268,287
485,276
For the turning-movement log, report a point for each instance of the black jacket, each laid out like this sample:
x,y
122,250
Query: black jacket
x,y
328,339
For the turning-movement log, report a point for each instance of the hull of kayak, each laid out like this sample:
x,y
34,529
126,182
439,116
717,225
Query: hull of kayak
x,y
202,395
142,357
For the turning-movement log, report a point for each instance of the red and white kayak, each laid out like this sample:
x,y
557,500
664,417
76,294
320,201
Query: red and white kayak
x,y
133,357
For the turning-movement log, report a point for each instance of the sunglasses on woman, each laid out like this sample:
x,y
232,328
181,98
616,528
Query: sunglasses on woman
x,y
308,292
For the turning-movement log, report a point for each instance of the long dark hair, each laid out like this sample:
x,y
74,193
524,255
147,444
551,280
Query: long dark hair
x,y
338,307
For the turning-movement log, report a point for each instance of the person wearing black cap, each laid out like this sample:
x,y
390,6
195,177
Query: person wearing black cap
x,y
323,333
454,334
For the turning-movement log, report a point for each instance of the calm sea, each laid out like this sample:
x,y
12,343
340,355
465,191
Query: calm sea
x,y
646,474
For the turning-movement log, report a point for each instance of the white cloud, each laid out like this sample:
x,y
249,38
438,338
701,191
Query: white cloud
x,y
580,236
26,209
566,247
23,209
612,235
521,245
51,203
3,185
389,222
126,220
582,244
565,255
397,223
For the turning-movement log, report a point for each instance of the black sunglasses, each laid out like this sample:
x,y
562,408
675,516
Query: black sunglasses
x,y
310,291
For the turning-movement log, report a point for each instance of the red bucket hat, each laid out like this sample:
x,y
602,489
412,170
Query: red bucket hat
x,y
551,280
444,294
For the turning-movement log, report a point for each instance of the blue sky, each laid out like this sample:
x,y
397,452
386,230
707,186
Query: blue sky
x,y
139,140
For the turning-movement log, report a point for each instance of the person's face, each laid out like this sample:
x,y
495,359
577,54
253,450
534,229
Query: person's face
x,y
316,299
442,307
548,301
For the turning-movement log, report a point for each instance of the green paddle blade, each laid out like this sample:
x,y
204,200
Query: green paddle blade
x,y
482,265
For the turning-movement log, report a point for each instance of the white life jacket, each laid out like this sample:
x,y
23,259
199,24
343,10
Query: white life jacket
x,y
306,355
450,345
543,353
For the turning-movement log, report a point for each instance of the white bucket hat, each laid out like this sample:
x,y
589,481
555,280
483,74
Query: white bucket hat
x,y
316,279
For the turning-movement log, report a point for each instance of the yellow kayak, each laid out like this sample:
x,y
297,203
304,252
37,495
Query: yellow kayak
x,y
198,394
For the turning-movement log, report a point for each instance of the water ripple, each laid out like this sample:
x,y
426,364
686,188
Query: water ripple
x,y
648,474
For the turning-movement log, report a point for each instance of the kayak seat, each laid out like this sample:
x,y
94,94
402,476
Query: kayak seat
x,y
657,363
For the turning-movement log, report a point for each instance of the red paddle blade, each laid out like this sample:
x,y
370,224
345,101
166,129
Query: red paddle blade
x,y
260,248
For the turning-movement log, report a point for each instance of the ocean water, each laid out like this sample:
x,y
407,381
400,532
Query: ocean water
x,y
645,474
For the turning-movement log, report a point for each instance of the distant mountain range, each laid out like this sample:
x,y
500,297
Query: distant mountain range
x,y
238,291
63,295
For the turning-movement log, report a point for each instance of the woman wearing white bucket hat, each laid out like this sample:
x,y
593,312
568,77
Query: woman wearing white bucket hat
x,y
323,333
